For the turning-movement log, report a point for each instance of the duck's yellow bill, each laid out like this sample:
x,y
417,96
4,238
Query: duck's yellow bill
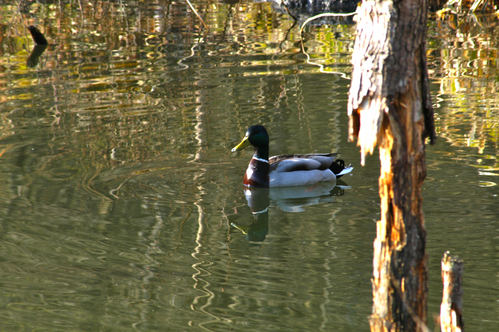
x,y
244,144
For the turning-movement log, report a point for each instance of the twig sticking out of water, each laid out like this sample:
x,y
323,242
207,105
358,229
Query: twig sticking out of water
x,y
197,14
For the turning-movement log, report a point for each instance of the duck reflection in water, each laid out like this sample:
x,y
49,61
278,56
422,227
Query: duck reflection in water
x,y
288,199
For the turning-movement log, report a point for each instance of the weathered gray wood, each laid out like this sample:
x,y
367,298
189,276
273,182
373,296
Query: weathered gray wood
x,y
390,50
451,309
390,106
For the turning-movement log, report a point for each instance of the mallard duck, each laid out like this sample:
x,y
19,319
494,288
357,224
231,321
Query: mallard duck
x,y
287,170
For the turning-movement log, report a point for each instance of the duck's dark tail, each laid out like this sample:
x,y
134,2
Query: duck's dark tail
x,y
339,169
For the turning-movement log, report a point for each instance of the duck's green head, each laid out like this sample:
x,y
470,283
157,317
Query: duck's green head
x,y
256,136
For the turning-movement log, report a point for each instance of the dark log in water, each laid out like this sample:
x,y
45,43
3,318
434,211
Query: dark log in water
x,y
34,57
40,46
37,36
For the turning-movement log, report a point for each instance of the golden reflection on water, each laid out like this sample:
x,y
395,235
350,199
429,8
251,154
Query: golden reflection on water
x,y
464,63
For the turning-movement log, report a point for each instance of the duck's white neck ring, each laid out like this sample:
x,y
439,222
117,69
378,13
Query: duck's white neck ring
x,y
262,211
261,160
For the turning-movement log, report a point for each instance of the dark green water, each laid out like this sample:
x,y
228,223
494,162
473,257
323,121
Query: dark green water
x,y
120,196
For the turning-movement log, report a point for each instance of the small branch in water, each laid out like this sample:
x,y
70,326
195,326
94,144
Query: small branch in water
x,y
287,9
197,14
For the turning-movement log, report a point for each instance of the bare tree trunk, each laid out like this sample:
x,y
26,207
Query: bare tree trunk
x,y
451,309
390,105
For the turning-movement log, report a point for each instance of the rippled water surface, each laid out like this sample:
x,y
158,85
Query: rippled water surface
x,y
122,207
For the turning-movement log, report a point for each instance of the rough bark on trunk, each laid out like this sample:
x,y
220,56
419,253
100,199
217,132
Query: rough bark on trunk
x,y
390,105
451,309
